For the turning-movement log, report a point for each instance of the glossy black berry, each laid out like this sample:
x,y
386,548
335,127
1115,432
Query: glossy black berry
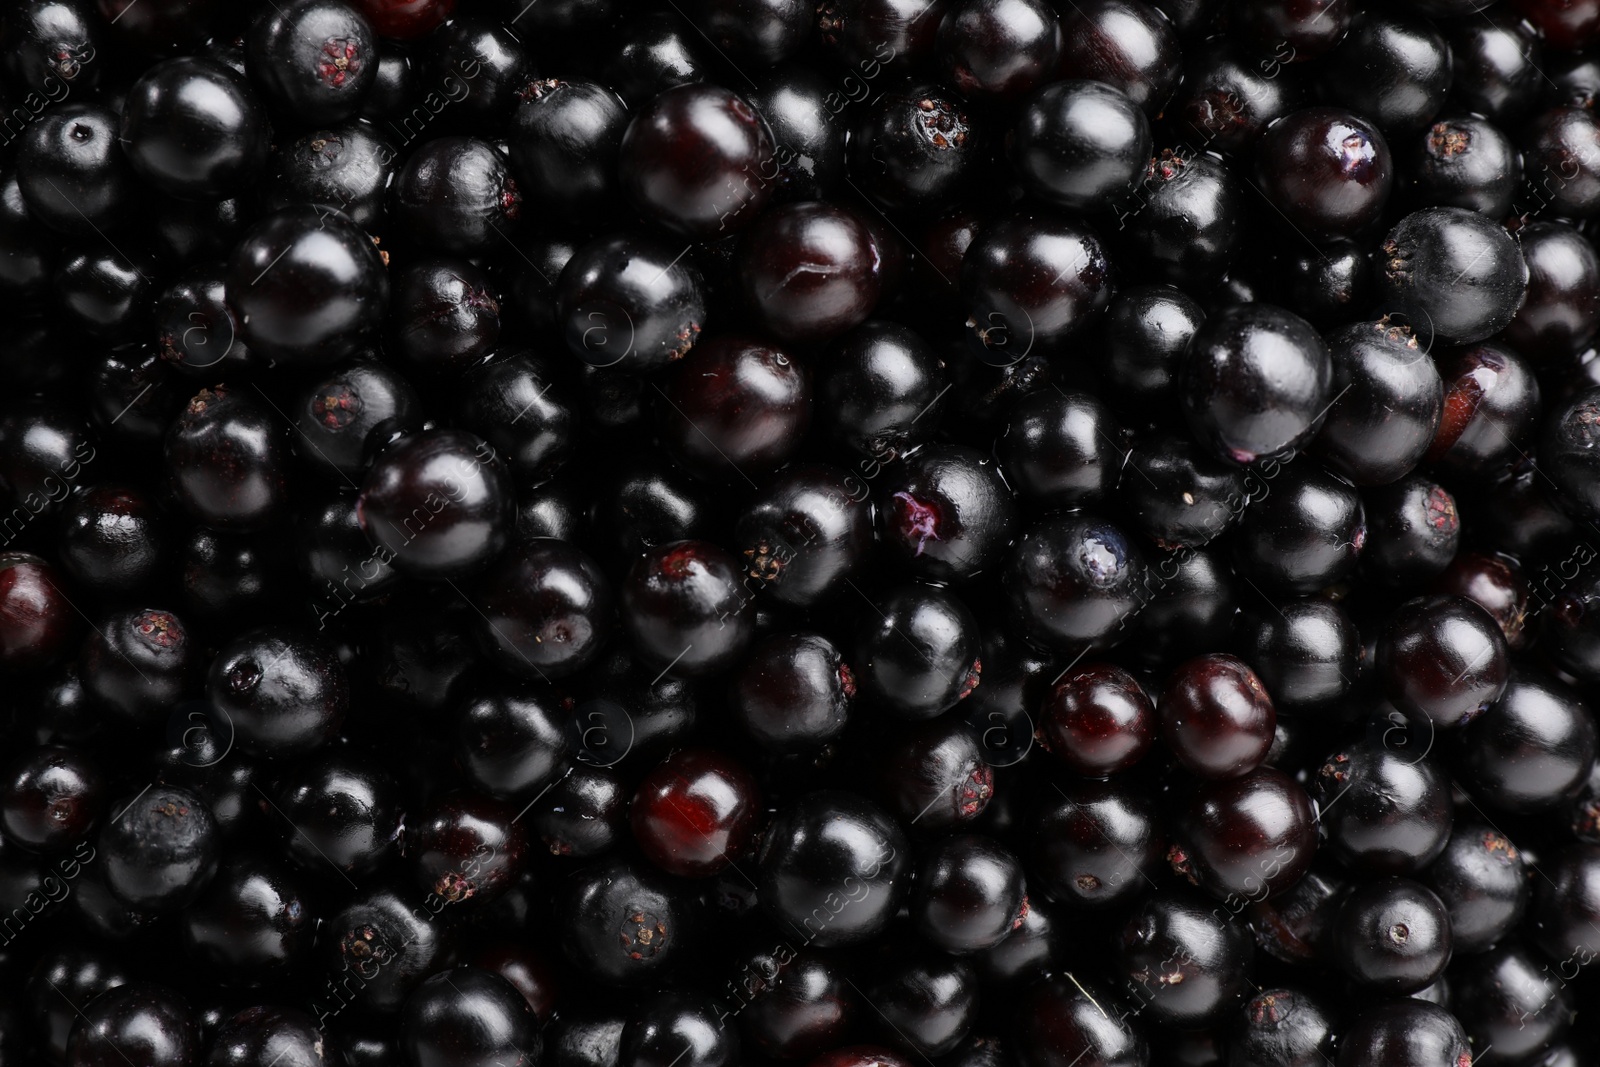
x,y
193,127
263,1034
1392,935
1126,44
465,849
876,387
339,808
1453,274
1328,171
1256,383
1481,877
1402,1031
281,689
1397,71
148,1022
918,652
623,923
840,886
1179,495
1387,405
698,160
467,1016
50,798
735,402
1530,748
1286,1027
794,692
1305,535
1180,224
1060,449
439,502
348,168
1413,530
1186,965
630,303
913,148
1066,1013
456,194
138,662
307,285
1442,659
1077,143
805,532
1393,813
1029,281
254,922
1143,335
160,848
810,271
316,58
1074,580
1491,400
71,171
1306,652
946,511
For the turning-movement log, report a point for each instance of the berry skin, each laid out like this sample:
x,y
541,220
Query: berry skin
x,y
1074,580
695,813
735,404
50,798
406,19
947,512
1327,170
547,608
628,302
1404,1031
465,848
1452,274
969,895
1126,44
228,456
1251,837
1385,808
1031,281
1256,383
193,127
794,692
307,285
282,691
1189,967
1097,720
470,1017
1080,142
1442,659
1481,877
1217,717
439,503
1388,401
1065,1013
138,663
699,160
1393,935
855,872
624,923
149,1023
811,271
160,847
918,653
37,621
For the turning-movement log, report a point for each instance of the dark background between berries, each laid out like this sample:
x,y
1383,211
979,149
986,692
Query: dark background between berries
x,y
744,533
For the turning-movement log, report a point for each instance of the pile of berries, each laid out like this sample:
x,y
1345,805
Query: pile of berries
x,y
752,533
